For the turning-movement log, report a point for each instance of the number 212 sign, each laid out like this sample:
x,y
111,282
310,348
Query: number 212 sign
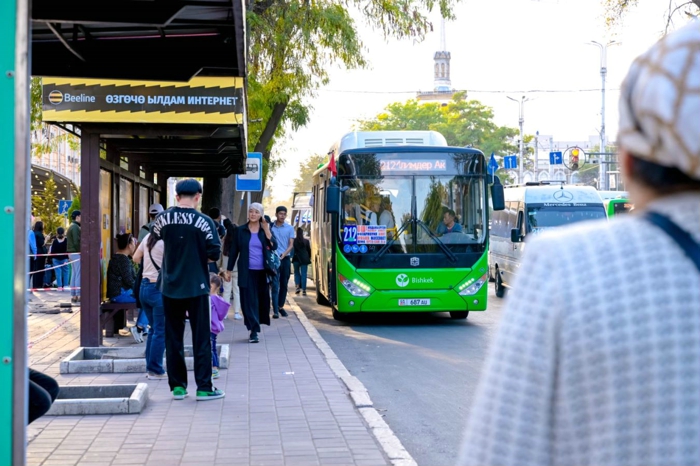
x,y
350,234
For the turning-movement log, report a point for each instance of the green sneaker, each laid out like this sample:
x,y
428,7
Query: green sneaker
x,y
179,393
213,395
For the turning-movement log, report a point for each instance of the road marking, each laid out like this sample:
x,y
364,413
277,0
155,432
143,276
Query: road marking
x,y
386,438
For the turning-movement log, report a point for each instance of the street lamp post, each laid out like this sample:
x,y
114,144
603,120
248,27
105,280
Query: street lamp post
x,y
602,177
521,121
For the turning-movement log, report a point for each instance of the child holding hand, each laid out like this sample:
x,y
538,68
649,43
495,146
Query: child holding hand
x,y
219,310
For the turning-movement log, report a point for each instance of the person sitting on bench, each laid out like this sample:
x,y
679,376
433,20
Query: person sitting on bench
x,y
120,272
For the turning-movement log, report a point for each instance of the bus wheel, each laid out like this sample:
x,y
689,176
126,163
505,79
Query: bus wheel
x,y
342,316
500,289
320,299
459,314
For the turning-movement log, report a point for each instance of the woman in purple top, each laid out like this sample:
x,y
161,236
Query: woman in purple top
x,y
251,247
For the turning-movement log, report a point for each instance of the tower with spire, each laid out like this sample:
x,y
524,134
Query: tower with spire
x,y
442,85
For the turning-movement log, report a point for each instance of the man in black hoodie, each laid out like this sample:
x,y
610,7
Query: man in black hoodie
x,y
190,240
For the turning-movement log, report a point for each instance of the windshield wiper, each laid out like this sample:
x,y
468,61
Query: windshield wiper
x,y
450,255
378,255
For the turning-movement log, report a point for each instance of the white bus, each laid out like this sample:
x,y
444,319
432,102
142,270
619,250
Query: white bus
x,y
531,209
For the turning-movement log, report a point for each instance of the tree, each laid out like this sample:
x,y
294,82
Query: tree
x,y
75,205
293,44
45,206
615,10
463,122
304,181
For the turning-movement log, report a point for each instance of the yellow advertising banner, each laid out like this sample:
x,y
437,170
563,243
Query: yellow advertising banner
x,y
215,100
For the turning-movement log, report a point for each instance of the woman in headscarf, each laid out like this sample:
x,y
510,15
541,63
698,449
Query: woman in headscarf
x,y
253,244
597,358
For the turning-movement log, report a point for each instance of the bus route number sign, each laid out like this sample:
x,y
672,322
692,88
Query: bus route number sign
x,y
350,234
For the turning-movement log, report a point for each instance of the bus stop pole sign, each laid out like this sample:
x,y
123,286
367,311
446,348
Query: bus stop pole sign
x,y
251,181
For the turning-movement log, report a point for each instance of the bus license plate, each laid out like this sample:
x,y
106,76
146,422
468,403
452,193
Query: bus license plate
x,y
414,302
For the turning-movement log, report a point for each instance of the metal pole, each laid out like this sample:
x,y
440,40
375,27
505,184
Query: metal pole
x,y
521,121
551,149
537,153
603,71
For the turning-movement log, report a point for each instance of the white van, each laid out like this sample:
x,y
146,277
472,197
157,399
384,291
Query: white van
x,y
531,209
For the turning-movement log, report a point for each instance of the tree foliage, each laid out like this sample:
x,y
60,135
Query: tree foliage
x,y
463,122
293,44
45,206
615,10
304,181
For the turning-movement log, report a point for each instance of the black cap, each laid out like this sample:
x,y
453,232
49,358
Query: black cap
x,y
75,214
281,209
189,186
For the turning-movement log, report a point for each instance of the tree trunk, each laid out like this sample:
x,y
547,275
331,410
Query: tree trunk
x,y
240,209
211,195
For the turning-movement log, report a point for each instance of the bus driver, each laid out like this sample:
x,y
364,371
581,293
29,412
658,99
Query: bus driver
x,y
449,225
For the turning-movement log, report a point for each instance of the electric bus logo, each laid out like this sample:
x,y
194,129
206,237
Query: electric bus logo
x,y
402,280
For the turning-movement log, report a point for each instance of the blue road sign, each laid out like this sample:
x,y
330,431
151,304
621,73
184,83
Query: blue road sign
x,y
252,180
510,161
493,165
63,206
555,158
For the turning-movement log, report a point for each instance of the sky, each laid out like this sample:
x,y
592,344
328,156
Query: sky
x,y
499,48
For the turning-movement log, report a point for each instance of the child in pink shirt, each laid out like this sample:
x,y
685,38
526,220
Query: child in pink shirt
x,y
219,310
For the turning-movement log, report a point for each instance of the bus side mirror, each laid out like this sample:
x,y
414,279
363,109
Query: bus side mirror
x,y
497,195
333,199
515,236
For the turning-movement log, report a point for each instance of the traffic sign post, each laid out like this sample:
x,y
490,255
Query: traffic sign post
x,y
63,206
556,158
492,167
510,162
251,181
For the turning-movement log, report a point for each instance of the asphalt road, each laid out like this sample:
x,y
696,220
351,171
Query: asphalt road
x,y
421,371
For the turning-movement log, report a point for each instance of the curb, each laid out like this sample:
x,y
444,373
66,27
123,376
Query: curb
x,y
391,445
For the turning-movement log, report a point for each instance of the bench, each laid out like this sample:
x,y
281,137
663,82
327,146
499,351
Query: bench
x,y
109,311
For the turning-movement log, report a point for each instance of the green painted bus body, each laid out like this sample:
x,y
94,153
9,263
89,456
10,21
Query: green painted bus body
x,y
437,279
441,286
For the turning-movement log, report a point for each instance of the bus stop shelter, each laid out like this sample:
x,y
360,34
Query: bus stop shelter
x,y
156,89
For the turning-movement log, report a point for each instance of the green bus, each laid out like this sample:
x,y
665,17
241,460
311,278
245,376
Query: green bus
x,y
615,207
402,226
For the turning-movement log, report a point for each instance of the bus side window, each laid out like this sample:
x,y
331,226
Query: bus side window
x,y
519,223
511,208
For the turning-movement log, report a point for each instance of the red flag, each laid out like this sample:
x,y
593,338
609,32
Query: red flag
x,y
331,164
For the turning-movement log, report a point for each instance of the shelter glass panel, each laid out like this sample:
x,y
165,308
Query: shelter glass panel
x,y
143,206
126,205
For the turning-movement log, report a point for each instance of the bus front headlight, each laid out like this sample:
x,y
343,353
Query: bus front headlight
x,y
471,287
355,287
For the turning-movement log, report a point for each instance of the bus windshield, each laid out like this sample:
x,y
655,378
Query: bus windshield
x,y
415,213
545,217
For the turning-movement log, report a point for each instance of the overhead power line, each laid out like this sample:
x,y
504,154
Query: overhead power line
x,y
472,91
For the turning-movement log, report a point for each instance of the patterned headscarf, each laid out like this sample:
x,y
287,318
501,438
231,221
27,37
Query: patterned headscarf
x,y
660,103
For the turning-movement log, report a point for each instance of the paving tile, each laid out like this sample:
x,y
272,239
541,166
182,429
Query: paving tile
x,y
268,418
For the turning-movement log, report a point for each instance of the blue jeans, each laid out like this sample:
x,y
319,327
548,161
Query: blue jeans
x,y
279,284
142,321
274,292
300,275
214,353
75,275
61,272
152,306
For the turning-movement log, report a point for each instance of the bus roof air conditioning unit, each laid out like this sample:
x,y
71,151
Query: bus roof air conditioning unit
x,y
373,142
414,141
393,141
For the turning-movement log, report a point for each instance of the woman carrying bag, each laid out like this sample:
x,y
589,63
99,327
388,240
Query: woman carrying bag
x,y
253,244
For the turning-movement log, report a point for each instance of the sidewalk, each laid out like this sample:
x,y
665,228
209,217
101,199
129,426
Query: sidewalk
x,y
284,406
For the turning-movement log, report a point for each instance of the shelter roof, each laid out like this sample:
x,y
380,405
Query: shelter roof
x,y
150,40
